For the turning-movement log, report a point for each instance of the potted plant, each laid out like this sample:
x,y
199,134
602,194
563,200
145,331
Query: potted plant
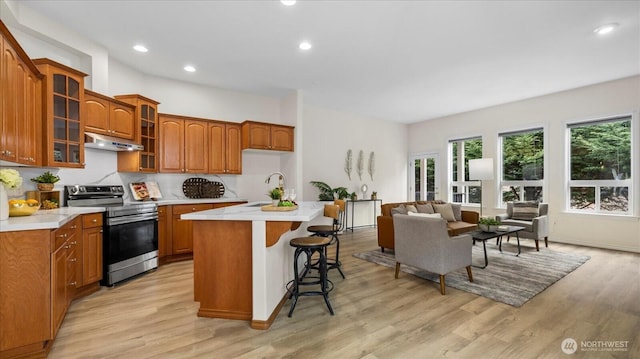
x,y
488,224
45,181
353,196
329,194
275,195
374,195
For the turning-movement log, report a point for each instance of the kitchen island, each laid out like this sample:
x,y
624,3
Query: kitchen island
x,y
242,260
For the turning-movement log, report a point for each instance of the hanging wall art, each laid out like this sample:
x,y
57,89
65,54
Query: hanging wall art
x,y
348,164
360,164
372,164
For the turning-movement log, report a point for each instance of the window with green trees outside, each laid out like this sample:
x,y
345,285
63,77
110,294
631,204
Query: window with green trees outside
x,y
600,166
522,165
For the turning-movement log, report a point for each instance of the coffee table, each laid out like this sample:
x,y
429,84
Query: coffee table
x,y
484,236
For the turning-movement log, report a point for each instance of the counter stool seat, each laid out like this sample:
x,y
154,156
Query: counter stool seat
x,y
309,246
336,212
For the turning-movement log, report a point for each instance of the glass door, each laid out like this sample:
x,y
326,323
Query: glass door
x,y
423,176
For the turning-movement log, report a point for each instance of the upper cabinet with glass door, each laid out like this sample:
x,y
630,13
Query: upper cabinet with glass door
x,y
63,98
146,133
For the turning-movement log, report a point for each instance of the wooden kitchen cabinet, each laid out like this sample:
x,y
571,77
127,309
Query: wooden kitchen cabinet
x,y
41,272
107,116
266,136
181,236
183,145
25,292
63,98
91,248
164,213
64,270
196,146
170,144
20,104
146,134
225,148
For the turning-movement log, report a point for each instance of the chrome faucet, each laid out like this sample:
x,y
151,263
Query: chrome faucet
x,y
280,179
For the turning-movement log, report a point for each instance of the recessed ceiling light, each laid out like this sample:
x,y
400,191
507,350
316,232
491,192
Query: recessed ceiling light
x,y
140,48
304,45
605,29
288,2
190,68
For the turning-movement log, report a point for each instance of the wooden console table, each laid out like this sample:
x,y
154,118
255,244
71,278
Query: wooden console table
x,y
353,204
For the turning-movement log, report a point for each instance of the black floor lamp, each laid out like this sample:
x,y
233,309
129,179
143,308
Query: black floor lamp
x,y
481,169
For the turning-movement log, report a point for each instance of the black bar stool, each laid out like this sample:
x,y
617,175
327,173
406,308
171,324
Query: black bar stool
x,y
309,246
337,212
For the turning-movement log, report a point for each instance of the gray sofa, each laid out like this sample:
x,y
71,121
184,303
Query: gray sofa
x,y
533,216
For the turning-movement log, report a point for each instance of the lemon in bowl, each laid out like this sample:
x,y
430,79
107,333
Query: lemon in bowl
x,y
21,207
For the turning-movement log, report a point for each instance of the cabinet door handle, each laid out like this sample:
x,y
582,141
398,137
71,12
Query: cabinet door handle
x,y
94,220
67,247
73,260
73,243
101,231
73,284
74,227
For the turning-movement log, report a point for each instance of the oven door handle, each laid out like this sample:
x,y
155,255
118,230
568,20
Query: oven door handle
x,y
132,219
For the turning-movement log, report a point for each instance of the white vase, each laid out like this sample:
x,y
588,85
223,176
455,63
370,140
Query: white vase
x,y
4,204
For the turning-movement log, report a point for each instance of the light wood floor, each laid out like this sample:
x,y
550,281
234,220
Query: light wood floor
x,y
377,316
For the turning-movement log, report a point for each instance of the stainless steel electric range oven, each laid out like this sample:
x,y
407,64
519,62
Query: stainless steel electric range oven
x,y
130,241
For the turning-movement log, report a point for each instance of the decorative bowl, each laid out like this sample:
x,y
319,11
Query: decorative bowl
x,y
20,208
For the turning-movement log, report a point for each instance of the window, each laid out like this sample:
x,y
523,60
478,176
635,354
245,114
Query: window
x,y
462,190
522,166
600,166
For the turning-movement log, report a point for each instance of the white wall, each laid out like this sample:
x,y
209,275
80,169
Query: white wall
x,y
552,112
328,134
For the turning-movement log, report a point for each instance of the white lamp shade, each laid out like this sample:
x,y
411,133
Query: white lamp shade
x,y
481,169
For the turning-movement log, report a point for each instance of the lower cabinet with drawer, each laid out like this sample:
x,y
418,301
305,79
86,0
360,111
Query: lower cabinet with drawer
x,y
41,272
92,249
175,238
64,261
181,230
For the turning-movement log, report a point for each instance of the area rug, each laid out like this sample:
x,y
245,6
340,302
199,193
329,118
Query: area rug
x,y
507,279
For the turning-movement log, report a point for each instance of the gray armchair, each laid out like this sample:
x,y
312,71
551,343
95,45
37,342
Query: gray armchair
x,y
536,228
425,243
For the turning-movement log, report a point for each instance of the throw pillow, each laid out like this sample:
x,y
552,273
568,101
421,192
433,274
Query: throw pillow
x,y
401,209
525,211
411,208
457,211
427,215
425,208
446,211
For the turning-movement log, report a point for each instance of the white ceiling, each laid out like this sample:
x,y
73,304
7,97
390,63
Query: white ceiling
x,y
404,61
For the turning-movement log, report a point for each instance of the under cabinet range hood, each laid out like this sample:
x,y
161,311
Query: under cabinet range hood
x,y
108,143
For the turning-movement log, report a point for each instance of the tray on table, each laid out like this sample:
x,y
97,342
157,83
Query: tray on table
x,y
272,208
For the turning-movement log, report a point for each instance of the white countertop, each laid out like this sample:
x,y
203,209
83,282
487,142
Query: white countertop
x,y
54,218
306,212
164,202
46,218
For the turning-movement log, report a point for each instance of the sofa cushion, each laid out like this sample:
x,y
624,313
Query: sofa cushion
x,y
459,227
425,208
457,211
446,211
528,225
401,209
411,208
525,211
427,215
